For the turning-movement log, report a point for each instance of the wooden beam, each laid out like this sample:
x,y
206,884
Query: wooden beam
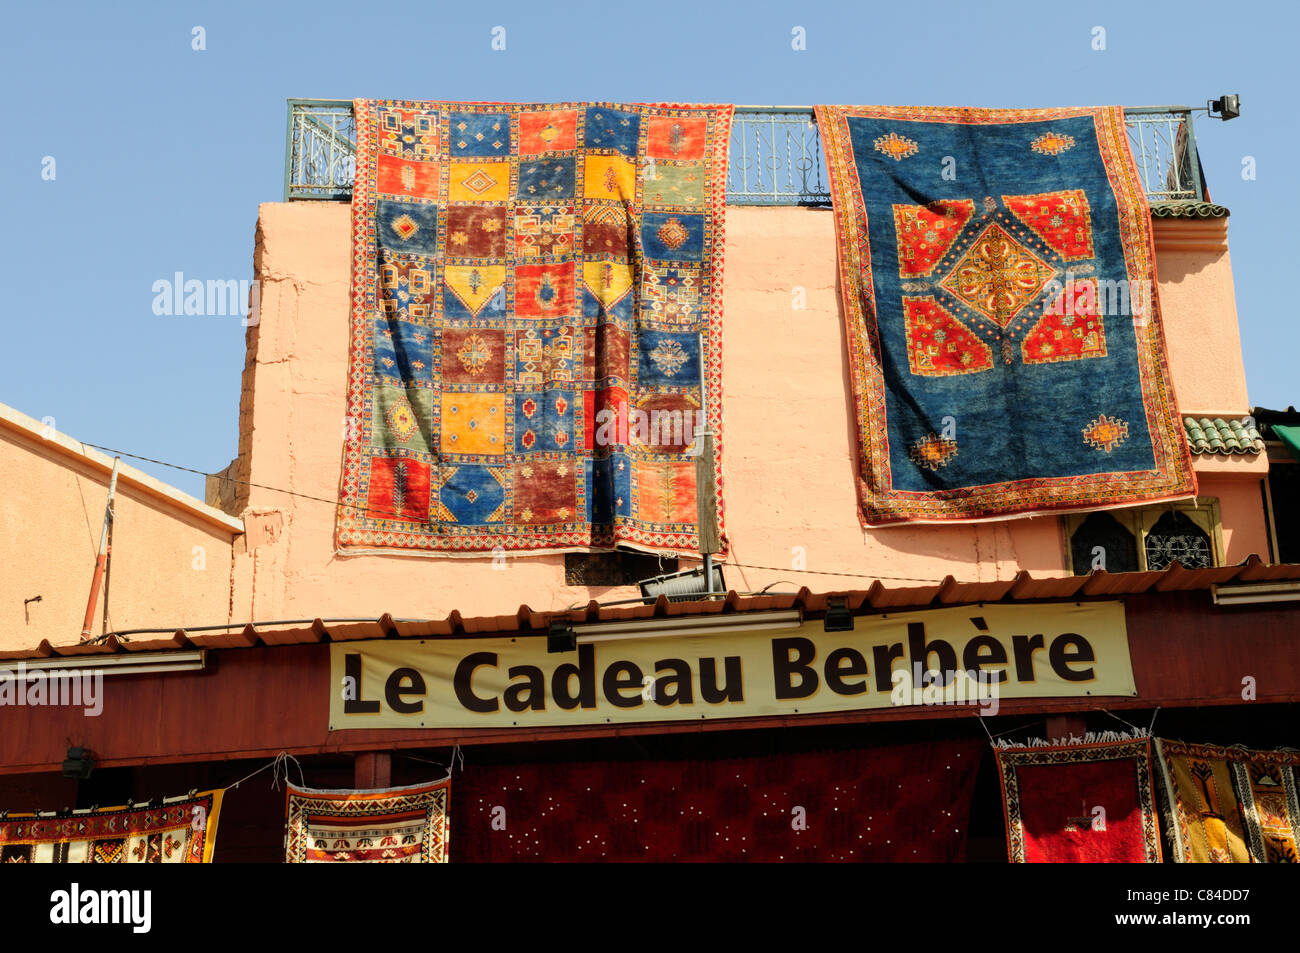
x,y
373,769
1063,726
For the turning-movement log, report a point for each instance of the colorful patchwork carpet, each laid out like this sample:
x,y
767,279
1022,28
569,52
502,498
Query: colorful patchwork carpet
x,y
895,803
536,325
1005,342
406,825
181,830
1081,803
1230,805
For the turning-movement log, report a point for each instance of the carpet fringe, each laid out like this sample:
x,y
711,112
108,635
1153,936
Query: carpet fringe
x,y
1091,738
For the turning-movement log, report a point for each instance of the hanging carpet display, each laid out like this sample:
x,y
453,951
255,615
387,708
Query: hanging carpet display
x,y
536,325
999,293
897,803
1231,805
403,825
178,830
1080,803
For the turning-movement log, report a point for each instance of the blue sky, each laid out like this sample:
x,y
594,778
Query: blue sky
x,y
163,153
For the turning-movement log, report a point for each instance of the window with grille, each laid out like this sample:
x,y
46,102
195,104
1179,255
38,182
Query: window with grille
x,y
614,569
1174,537
1145,538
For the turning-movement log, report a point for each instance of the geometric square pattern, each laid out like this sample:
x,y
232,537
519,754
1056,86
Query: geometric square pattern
x,y
536,311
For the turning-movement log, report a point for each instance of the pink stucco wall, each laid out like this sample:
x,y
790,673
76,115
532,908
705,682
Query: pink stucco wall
x,y
172,555
788,453
1199,303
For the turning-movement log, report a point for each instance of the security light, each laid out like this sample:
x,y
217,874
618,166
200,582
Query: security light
x,y
683,586
838,617
79,763
561,638
1225,107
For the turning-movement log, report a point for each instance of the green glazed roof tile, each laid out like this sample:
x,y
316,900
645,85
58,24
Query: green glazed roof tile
x,y
1223,436
1187,210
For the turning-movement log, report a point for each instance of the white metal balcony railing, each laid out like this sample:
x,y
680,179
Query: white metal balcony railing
x,y
775,156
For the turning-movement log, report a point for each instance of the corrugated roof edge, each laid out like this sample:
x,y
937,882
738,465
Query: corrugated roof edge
x,y
881,598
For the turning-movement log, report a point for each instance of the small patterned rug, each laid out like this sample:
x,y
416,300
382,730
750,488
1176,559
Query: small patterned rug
x,y
404,825
1080,803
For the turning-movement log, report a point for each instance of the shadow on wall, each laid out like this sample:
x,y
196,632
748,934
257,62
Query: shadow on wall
x,y
964,543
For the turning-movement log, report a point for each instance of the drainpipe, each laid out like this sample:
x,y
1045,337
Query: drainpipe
x,y
101,558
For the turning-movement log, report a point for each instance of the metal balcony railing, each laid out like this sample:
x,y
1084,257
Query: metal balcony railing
x,y
775,155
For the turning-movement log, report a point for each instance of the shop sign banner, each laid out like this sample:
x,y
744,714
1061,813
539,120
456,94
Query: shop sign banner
x,y
968,655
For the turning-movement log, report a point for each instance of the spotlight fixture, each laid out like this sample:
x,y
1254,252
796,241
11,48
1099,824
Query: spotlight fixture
x,y
1225,107
683,586
561,638
79,763
838,617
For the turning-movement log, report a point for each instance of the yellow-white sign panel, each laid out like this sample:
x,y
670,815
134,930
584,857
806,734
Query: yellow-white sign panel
x,y
964,655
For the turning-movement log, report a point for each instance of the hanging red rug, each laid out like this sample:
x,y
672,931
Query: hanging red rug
x,y
899,803
1084,803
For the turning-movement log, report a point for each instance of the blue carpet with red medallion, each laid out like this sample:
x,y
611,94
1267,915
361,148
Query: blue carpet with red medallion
x,y
998,280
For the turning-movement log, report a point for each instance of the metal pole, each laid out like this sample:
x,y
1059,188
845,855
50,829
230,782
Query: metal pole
x,y
108,573
101,558
706,502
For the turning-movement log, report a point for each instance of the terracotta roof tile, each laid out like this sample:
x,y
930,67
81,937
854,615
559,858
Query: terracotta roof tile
x,y
879,597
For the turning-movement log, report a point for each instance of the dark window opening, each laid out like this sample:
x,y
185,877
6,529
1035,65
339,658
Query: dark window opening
x,y
614,569
1284,487
1101,531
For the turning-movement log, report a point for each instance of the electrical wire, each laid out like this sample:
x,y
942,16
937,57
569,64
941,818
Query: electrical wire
x,y
204,473
340,503
818,572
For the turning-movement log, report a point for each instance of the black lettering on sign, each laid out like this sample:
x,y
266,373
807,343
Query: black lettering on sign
x,y
732,691
404,681
884,657
1024,647
531,693
357,705
974,659
1060,656
843,663
794,657
921,650
584,672
619,676
460,683
679,681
